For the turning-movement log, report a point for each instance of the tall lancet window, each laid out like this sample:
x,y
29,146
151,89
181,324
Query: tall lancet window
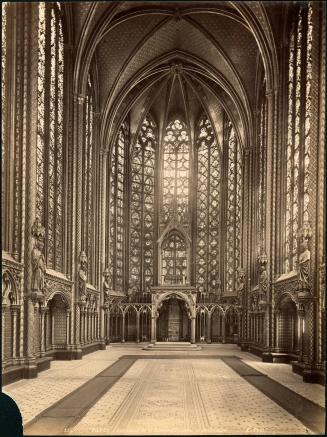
x,y
208,209
174,259
298,138
176,160
88,188
142,207
262,153
4,144
116,208
233,213
49,171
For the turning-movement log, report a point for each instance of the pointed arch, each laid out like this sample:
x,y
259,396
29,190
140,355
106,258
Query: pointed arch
x,y
142,206
208,208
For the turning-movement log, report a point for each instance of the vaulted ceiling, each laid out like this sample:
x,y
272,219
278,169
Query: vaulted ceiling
x,y
175,57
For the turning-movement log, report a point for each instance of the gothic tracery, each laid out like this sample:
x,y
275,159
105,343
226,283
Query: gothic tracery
x,y
146,179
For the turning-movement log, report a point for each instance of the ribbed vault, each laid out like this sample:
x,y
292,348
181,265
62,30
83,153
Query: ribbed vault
x,y
220,45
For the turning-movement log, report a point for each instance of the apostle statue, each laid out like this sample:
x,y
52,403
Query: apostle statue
x,y
263,276
304,266
106,284
241,283
82,275
37,257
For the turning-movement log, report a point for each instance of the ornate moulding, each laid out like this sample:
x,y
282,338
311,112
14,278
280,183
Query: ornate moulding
x,y
288,282
163,292
13,269
57,282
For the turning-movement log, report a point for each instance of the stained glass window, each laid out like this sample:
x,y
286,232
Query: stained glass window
x,y
175,194
298,141
116,209
142,207
174,260
262,149
208,209
49,159
88,181
4,148
233,213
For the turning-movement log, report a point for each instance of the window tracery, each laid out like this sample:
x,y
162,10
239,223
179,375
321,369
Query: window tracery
x,y
174,259
49,159
88,180
208,209
175,192
262,150
298,139
233,212
142,207
4,149
116,209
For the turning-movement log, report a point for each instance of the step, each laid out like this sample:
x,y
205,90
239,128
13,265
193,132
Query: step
x,y
173,346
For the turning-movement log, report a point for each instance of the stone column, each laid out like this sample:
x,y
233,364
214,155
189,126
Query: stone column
x,y
14,311
86,325
92,318
46,315
224,330
153,329
108,327
82,324
277,315
209,328
4,306
103,202
67,325
77,178
89,335
137,326
42,318
193,319
239,328
300,331
52,327
94,325
123,328
78,323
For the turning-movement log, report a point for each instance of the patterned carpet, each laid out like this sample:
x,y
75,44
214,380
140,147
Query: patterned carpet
x,y
195,396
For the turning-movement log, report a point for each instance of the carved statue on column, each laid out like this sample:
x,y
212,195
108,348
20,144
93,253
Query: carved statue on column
x,y
241,284
106,286
37,258
304,258
263,278
82,276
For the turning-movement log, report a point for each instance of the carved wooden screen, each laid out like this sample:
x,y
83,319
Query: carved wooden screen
x,y
298,138
49,184
208,209
142,207
176,158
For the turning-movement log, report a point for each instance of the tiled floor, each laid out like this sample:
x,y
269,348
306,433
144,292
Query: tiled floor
x,y
185,397
34,396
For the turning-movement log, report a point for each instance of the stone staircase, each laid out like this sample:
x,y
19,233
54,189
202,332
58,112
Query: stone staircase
x,y
172,346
